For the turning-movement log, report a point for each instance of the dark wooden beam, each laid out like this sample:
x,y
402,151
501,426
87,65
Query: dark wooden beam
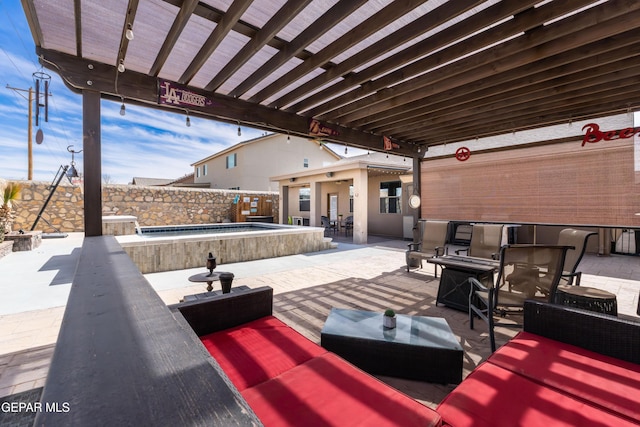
x,y
81,74
583,60
92,163
581,29
420,26
179,23
226,24
262,37
374,23
524,21
427,22
330,18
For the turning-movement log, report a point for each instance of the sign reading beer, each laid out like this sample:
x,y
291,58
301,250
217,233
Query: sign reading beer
x,y
176,94
594,134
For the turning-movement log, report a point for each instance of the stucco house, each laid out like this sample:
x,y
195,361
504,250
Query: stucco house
x,y
249,165
372,188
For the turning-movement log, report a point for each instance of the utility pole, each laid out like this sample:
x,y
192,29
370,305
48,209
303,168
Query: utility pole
x,y
29,130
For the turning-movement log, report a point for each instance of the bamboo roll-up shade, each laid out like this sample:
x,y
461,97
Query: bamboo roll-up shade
x,y
560,184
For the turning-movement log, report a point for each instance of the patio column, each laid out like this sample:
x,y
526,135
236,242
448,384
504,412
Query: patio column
x,y
417,190
360,203
92,163
283,204
316,204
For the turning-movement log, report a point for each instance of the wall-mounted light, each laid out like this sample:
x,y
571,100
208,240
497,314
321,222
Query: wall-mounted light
x,y
329,174
129,33
292,179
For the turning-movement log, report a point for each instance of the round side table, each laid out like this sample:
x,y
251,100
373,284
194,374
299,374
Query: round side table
x,y
206,278
593,299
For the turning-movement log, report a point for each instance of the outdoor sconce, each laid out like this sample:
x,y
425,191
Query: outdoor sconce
x,y
329,174
292,179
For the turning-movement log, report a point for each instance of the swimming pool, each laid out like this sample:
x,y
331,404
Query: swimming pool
x,y
181,247
189,230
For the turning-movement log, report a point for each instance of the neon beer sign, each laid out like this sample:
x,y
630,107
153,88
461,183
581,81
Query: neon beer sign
x,y
594,134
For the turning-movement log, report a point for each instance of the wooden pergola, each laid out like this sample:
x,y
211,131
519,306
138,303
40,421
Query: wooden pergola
x,y
381,75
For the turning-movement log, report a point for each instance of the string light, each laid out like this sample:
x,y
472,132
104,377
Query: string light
x,y
129,33
188,120
345,150
288,138
239,130
123,109
121,67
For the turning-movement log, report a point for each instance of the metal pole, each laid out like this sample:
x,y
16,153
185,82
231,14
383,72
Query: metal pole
x,y
30,137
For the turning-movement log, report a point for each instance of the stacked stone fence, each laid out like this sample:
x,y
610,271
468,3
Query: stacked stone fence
x,y
152,206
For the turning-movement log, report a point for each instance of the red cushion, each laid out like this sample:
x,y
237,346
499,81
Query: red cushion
x,y
493,396
328,391
257,351
611,383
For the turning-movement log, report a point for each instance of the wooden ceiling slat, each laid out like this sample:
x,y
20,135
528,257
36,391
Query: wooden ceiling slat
x,y
271,28
508,119
336,14
522,21
551,69
541,92
225,25
540,43
416,28
182,18
447,81
368,27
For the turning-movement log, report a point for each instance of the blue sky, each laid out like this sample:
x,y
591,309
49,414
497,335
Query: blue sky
x,y
143,143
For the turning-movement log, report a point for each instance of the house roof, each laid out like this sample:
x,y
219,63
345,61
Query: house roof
x,y
254,141
374,162
421,73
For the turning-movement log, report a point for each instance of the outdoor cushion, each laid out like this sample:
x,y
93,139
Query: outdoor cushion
x,y
329,391
610,383
257,351
494,396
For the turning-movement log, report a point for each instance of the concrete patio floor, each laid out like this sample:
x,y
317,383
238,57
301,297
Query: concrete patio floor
x,y
35,286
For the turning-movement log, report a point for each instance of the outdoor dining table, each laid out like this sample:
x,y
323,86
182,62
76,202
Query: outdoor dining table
x,y
454,287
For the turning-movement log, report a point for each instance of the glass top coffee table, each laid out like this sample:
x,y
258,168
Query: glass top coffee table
x,y
419,348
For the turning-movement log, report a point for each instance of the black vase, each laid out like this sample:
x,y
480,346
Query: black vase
x,y
226,279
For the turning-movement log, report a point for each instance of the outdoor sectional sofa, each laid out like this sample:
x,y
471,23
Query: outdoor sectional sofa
x,y
568,367
124,358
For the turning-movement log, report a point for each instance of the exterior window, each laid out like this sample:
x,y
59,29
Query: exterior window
x,y
306,163
305,199
390,197
204,170
351,199
198,172
232,160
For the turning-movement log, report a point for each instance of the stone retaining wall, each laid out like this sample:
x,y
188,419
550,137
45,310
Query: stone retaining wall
x,y
153,206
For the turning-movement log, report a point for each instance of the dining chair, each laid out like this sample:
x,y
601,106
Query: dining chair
x,y
432,244
525,272
486,240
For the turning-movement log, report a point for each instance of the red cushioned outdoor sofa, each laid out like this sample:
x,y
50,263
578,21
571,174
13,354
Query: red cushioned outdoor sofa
x,y
288,380
568,367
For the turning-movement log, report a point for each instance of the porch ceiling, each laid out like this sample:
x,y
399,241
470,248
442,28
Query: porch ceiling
x,y
421,73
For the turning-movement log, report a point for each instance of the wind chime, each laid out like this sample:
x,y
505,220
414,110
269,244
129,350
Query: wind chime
x,y
44,79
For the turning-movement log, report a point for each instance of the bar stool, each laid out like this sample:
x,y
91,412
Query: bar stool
x,y
592,299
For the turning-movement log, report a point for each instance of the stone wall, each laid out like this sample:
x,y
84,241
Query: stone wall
x,y
153,206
